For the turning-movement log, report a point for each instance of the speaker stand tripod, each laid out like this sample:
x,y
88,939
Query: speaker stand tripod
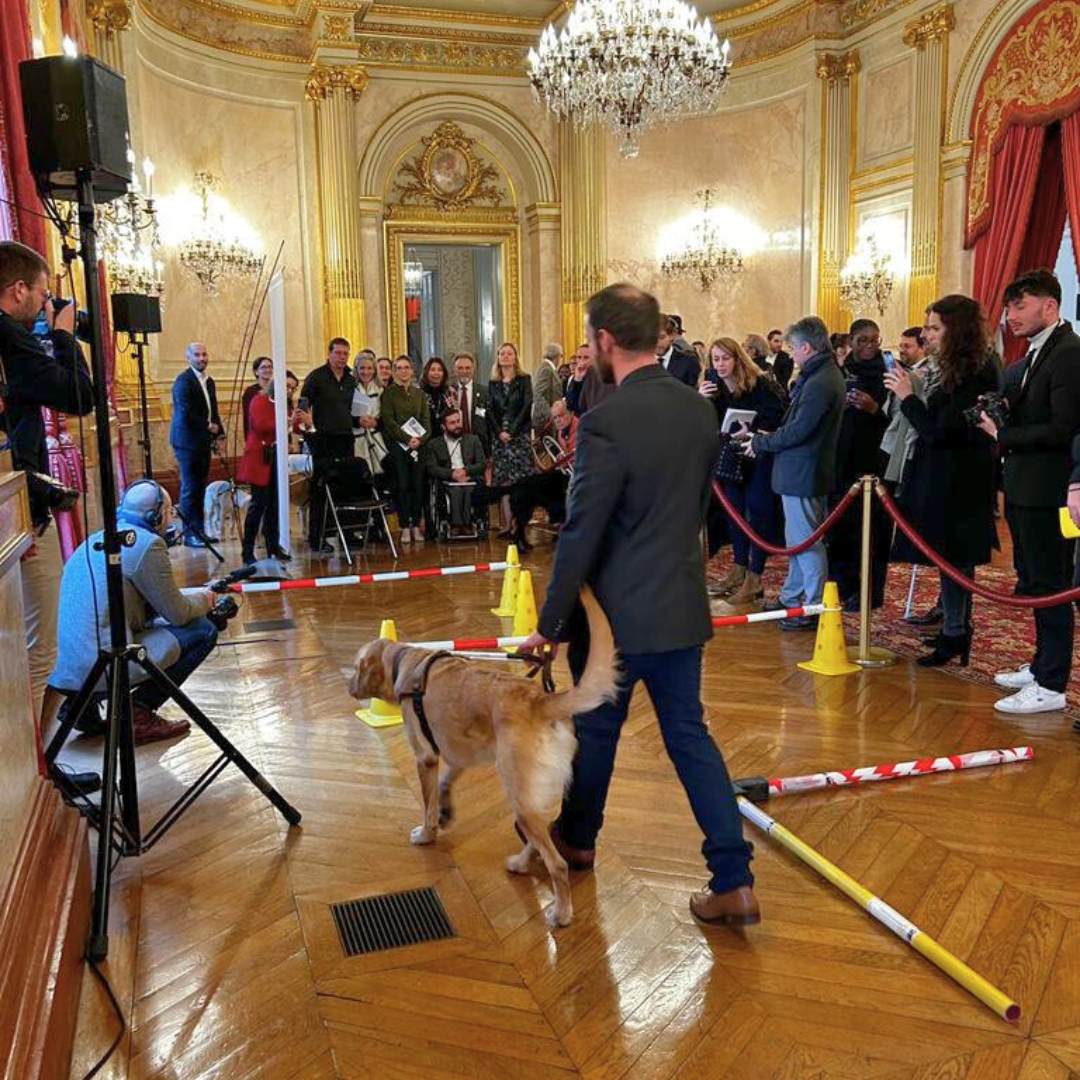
x,y
117,818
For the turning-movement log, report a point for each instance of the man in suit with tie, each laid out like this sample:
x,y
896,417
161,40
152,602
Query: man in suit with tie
x,y
783,367
637,503
195,425
1043,392
472,401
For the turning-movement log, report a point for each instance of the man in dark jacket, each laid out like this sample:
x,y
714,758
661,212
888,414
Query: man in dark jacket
x,y
456,458
38,372
1043,392
632,533
804,461
682,363
195,425
783,367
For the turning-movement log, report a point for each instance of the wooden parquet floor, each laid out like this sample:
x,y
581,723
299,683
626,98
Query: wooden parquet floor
x,y
228,967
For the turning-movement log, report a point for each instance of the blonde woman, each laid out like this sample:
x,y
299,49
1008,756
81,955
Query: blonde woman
x,y
510,420
370,445
734,381
401,403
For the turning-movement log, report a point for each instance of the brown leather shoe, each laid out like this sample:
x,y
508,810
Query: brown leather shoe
x,y
148,727
576,858
736,907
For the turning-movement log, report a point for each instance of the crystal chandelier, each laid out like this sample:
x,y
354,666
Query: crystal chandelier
x,y
219,244
867,279
128,236
629,64
708,244
413,275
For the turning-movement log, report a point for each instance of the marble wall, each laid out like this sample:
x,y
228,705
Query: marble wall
x,y
755,160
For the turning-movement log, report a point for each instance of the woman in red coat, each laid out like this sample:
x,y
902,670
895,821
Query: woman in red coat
x,y
257,470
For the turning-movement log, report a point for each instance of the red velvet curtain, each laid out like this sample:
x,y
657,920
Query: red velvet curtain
x,y
1070,152
997,251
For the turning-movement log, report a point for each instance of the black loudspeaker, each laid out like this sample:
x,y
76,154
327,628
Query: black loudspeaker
x,y
76,115
133,313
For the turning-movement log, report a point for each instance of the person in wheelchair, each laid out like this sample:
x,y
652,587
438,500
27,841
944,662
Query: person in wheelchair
x,y
174,628
454,460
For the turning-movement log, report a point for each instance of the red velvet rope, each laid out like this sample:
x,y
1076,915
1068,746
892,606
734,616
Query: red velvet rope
x,y
1052,600
772,549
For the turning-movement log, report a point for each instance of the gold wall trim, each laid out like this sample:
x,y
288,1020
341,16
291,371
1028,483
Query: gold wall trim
x,y
432,15
405,232
244,14
898,164
450,33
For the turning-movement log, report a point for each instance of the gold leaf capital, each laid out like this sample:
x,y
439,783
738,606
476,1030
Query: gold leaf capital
x,y
326,80
109,16
838,67
930,26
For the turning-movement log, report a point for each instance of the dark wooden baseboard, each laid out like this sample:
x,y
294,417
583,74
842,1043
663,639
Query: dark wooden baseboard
x,y
44,920
169,479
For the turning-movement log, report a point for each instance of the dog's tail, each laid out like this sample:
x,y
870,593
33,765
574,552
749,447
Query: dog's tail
x,y
599,680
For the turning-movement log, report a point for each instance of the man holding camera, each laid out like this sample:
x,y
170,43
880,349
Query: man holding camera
x,y
1043,395
196,424
37,372
173,628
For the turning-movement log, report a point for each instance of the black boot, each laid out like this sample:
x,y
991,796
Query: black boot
x,y
945,648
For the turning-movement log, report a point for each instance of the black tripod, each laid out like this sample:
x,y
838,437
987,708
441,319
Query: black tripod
x,y
140,341
117,820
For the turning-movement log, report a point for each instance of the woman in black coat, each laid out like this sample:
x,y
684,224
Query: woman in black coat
x,y
733,381
948,492
510,422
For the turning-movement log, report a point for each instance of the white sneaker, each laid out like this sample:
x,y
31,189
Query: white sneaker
x,y
1033,698
417,535
1014,680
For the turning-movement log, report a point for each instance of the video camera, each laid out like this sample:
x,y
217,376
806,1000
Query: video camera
x,y
82,320
995,405
226,608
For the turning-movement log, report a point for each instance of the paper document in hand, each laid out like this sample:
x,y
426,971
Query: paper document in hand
x,y
362,404
413,428
736,418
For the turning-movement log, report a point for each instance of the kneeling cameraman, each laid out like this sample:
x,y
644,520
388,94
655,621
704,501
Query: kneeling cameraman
x,y
173,628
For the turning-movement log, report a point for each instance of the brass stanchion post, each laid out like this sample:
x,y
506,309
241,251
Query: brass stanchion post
x,y
867,655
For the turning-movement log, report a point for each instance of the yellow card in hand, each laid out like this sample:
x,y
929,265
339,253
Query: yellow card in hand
x,y
1068,529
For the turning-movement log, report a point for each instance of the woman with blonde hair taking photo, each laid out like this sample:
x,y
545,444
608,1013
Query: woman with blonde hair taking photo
x,y
733,381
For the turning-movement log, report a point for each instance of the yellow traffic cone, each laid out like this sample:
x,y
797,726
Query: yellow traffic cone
x,y
382,713
830,652
508,601
525,615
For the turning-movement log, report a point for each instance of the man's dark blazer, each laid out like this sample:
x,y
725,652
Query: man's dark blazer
x,y
783,367
804,446
685,367
188,430
1044,417
438,457
637,503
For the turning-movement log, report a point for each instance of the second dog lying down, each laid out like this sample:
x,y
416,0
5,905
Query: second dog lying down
x,y
475,716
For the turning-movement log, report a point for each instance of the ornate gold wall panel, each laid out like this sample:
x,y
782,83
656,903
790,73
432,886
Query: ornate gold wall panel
x,y
929,36
582,157
838,73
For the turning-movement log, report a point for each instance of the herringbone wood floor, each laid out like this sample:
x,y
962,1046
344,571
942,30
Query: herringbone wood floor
x,y
227,964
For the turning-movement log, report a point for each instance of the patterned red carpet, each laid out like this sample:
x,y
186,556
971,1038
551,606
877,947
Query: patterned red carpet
x,y
1004,636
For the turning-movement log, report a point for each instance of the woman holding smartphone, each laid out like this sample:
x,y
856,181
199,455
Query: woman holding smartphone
x,y
405,406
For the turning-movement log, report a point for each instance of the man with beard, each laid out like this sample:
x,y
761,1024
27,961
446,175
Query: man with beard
x,y
636,506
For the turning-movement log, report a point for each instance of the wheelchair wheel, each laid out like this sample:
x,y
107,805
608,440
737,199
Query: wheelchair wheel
x,y
444,529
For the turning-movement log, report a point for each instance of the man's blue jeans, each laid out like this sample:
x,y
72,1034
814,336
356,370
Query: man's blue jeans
x,y
197,639
673,680
805,581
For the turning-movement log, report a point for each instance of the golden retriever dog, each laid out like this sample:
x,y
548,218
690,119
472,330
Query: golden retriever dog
x,y
479,716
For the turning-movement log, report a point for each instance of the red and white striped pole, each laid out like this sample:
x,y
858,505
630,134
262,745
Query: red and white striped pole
x,y
758,787
464,644
355,579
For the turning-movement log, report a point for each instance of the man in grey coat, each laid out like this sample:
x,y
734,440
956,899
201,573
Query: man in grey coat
x,y
804,461
172,627
546,386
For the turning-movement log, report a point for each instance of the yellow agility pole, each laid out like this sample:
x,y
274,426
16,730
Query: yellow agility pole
x,y
888,916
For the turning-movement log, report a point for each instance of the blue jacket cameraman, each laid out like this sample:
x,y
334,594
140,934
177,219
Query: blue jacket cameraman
x,y
37,372
173,628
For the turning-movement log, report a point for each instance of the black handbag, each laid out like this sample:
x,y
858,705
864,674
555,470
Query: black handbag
x,y
730,467
268,453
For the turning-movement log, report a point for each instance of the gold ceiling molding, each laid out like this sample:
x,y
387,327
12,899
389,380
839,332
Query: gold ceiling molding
x,y
326,80
930,26
434,15
440,56
1034,75
109,16
860,11
158,9
449,33
448,174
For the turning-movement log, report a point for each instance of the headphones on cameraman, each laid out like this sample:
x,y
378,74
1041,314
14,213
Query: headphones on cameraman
x,y
150,518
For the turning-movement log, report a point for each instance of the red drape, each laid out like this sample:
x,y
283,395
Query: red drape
x,y
1070,152
997,251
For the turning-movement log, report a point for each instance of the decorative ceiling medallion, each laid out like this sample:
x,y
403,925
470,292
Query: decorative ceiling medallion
x,y
448,174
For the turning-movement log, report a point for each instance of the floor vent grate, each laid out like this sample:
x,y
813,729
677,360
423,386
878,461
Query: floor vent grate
x,y
390,921
264,626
